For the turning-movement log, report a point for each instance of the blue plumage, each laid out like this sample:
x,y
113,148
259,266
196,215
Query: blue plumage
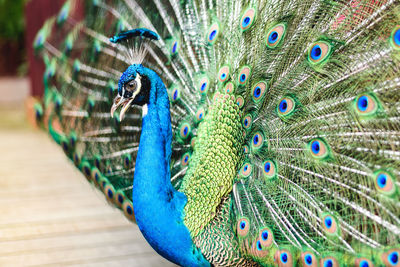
x,y
158,205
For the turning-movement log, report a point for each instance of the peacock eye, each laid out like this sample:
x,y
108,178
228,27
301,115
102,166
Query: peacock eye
x,y
212,34
265,237
286,106
308,259
223,73
131,86
384,183
243,227
269,169
275,35
319,52
283,257
319,149
330,225
366,104
247,19
395,38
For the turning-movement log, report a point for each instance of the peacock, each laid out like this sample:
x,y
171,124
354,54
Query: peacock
x,y
235,133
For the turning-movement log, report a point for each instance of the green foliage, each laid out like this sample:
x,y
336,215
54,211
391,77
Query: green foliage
x,y
12,22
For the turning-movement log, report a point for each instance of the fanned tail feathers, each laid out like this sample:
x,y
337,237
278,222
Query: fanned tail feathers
x,y
318,86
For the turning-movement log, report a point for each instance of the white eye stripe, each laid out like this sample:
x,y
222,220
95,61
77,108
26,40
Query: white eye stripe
x,y
138,80
138,85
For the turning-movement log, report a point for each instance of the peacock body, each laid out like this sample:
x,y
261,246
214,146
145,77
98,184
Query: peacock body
x,y
241,133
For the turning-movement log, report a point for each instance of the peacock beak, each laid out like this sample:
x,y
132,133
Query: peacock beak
x,y
121,101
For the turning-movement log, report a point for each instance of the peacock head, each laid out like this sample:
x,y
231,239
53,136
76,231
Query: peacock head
x,y
133,89
134,85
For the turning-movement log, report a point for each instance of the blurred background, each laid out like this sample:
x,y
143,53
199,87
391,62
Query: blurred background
x,y
49,214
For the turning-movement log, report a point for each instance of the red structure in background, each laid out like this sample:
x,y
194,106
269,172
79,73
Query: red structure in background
x,y
36,13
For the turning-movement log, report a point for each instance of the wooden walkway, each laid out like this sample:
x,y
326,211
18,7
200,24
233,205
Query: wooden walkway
x,y
50,215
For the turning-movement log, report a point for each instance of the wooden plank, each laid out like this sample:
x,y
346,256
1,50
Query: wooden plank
x,y
81,238
51,216
78,254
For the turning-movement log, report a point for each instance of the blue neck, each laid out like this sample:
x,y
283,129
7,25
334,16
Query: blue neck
x,y
158,206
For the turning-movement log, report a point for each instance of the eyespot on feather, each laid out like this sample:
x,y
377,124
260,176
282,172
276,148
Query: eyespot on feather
x,y
246,169
68,44
229,88
109,192
50,70
76,158
244,76
286,106
96,175
119,198
240,101
391,257
86,170
174,47
395,38
258,91
175,94
257,141
103,182
330,225
365,105
185,159
269,169
283,258
200,114
318,148
184,131
40,38
223,73
127,160
257,249
242,227
265,237
275,35
127,207
247,19
308,259
38,112
384,182
258,245
96,49
363,262
76,68
204,85
64,13
319,52
97,161
329,262
58,103
247,121
212,33
90,104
